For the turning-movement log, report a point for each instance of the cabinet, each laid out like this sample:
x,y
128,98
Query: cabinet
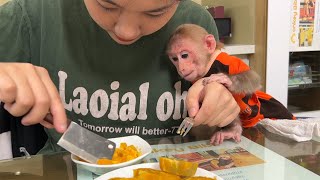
x,y
248,26
287,51
304,81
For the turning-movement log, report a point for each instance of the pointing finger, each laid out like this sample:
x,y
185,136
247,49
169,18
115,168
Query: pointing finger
x,y
194,98
56,107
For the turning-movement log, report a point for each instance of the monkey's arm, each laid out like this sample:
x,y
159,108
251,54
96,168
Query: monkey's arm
x,y
231,131
246,82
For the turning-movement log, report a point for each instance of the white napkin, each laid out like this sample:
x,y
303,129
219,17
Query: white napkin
x,y
298,130
5,144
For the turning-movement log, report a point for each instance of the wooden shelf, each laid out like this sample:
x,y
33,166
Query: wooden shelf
x,y
304,49
307,114
239,49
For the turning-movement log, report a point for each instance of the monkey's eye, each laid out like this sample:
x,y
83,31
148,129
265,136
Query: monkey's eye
x,y
174,58
184,55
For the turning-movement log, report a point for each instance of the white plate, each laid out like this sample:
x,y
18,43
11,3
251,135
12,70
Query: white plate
x,y
127,172
137,141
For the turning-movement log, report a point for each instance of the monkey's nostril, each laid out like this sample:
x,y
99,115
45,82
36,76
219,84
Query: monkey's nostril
x,y
181,70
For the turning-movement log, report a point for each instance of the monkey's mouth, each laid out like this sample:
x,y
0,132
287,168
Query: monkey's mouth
x,y
188,76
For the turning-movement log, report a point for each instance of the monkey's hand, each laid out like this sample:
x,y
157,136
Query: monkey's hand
x,y
232,131
245,83
219,78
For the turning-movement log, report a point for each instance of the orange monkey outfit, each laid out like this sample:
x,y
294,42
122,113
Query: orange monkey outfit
x,y
255,106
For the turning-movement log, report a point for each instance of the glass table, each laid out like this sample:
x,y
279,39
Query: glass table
x,y
260,155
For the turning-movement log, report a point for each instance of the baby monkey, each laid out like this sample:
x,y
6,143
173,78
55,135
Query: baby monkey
x,y
196,54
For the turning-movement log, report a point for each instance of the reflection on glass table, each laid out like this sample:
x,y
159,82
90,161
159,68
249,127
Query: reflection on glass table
x,y
260,155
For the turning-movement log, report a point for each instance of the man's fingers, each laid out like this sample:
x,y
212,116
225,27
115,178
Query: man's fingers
x,y
194,99
56,106
46,124
8,88
213,115
218,107
227,120
41,100
228,117
223,115
24,97
48,121
209,107
27,90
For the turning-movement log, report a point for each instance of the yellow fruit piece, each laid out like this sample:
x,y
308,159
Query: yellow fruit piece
x,y
104,161
147,173
201,178
123,178
178,167
121,154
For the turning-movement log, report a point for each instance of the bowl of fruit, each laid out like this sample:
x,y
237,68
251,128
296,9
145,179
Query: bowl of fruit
x,y
167,168
129,150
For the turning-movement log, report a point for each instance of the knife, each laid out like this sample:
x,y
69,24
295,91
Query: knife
x,y
86,144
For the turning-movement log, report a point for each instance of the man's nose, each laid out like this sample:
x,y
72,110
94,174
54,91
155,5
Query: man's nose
x,y
127,26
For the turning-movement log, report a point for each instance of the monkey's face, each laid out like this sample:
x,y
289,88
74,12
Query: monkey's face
x,y
189,58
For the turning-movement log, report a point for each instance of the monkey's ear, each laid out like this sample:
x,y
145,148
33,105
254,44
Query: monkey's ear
x,y
210,43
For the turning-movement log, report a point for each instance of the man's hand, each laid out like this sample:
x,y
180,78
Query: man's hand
x,y
211,104
27,90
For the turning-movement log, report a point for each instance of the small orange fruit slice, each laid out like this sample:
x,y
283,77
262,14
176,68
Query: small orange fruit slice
x,y
122,154
147,173
178,167
201,178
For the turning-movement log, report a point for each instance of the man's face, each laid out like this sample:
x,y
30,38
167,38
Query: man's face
x,y
190,59
126,21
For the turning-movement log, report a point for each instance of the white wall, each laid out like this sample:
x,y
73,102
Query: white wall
x,y
3,1
278,49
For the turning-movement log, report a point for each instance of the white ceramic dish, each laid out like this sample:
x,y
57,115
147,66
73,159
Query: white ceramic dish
x,y
137,141
127,172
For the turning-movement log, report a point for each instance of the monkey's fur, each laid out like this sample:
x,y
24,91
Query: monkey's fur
x,y
193,50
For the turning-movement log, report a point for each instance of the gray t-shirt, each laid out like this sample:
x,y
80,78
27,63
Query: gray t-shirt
x,y
111,89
